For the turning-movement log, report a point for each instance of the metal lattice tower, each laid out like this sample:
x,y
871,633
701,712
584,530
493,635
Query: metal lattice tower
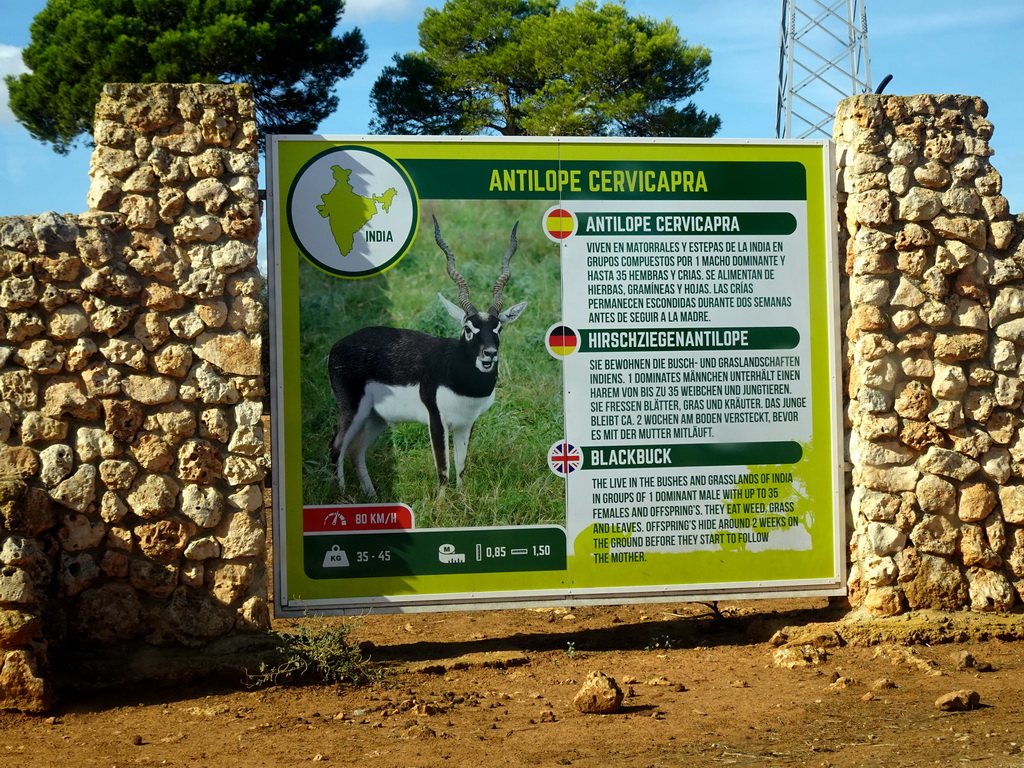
x,y
823,58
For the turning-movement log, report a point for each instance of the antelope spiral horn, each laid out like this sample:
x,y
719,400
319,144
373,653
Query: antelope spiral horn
x,y
499,284
460,282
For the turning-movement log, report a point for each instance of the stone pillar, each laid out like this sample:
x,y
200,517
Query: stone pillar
x,y
934,314
131,385
25,569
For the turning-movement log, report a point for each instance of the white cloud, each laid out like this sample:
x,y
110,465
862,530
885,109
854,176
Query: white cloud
x,y
10,64
376,10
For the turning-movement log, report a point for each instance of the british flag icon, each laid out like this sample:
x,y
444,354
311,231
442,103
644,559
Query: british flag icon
x,y
563,458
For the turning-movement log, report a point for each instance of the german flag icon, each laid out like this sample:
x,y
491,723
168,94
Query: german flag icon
x,y
562,341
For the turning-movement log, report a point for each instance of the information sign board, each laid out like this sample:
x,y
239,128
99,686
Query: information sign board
x,y
665,423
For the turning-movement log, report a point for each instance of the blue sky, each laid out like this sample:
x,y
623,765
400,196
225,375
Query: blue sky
x,y
929,46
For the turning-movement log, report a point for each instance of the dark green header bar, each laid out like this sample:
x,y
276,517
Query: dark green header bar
x,y
618,224
699,455
687,339
615,180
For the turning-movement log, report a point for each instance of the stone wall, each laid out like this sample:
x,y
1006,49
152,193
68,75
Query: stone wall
x,y
934,318
131,447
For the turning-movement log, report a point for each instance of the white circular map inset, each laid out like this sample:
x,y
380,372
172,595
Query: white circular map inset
x,y
352,211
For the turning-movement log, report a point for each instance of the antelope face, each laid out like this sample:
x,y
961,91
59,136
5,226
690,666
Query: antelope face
x,y
481,332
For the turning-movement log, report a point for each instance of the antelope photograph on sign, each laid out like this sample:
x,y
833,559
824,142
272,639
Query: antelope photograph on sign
x,y
552,371
382,375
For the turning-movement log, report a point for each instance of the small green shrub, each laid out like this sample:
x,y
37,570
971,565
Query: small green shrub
x,y
317,651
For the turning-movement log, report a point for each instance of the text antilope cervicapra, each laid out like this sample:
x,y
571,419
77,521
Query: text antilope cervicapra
x,y
383,376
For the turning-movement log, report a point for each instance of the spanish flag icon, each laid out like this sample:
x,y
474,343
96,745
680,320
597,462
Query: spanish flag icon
x,y
559,224
562,340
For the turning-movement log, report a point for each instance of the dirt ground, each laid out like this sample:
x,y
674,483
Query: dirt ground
x,y
473,689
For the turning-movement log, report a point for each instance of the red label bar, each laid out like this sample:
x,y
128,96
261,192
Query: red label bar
x,y
357,517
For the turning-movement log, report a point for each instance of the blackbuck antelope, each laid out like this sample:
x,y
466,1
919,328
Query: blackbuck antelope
x,y
382,376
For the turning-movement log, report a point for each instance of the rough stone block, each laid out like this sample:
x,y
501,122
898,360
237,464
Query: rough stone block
x,y
600,694
948,463
23,685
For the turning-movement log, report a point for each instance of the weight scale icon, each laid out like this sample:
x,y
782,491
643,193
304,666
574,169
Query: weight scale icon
x,y
335,557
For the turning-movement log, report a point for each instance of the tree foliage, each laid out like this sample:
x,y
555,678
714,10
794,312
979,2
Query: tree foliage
x,y
286,49
531,67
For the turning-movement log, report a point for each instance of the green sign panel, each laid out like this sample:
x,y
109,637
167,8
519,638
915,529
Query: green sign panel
x,y
629,389
411,553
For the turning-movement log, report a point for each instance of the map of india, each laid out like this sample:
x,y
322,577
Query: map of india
x,y
348,212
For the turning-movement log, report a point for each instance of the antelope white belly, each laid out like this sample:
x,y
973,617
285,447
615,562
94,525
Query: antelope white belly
x,y
396,404
459,410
